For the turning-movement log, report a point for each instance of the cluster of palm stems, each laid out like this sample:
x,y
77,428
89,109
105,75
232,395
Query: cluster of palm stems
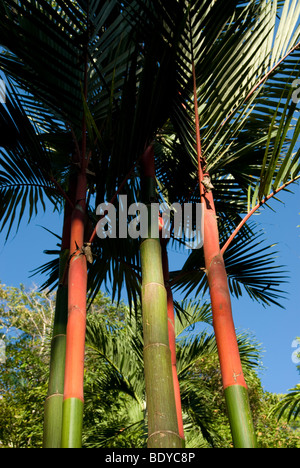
x,y
148,99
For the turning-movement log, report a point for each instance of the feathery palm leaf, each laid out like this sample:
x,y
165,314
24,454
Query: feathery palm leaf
x,y
118,353
281,162
45,50
250,267
26,176
230,61
189,313
289,405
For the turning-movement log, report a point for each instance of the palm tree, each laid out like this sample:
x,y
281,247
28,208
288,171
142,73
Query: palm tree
x,y
29,174
220,77
99,26
55,30
86,33
177,68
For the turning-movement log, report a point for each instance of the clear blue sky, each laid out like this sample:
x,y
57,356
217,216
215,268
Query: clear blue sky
x,y
274,328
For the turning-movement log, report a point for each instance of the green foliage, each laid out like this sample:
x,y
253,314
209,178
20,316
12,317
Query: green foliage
x,y
271,432
25,320
114,414
289,405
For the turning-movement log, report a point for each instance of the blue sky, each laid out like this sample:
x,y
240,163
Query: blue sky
x,y
273,327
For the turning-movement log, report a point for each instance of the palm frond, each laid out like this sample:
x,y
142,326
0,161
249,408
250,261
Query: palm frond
x,y
189,314
251,267
45,45
117,267
47,58
231,60
26,176
198,415
289,405
281,161
190,349
50,270
250,351
119,354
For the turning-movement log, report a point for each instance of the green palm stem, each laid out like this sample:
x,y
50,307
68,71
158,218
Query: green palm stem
x,y
54,401
172,336
161,406
235,387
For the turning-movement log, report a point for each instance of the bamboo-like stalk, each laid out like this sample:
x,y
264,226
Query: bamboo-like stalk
x,y
235,388
162,417
73,400
172,337
75,345
54,401
234,384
